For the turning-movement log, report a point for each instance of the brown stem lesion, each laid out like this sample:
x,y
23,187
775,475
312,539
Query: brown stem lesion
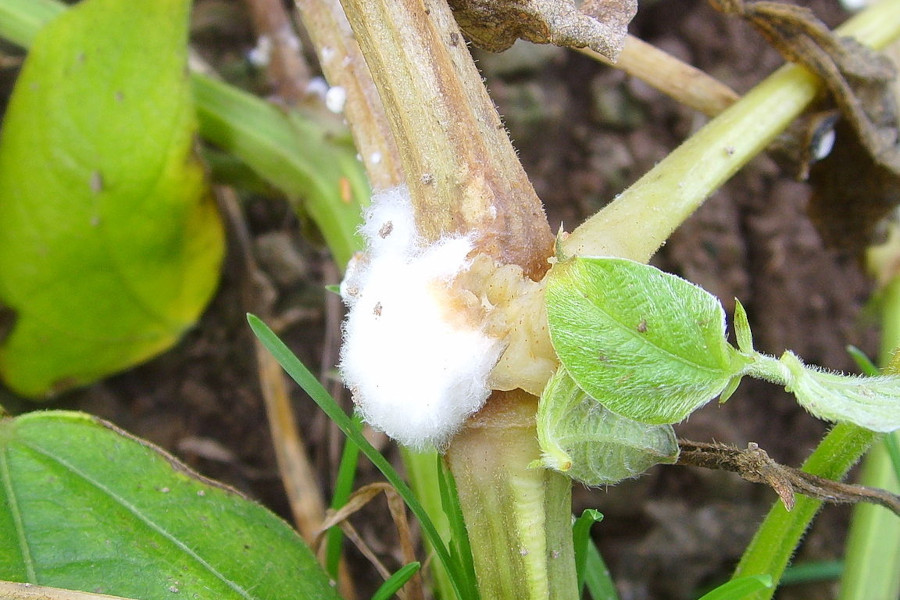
x,y
461,169
755,465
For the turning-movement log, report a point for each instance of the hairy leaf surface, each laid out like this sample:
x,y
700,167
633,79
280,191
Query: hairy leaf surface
x,y
84,506
648,345
586,441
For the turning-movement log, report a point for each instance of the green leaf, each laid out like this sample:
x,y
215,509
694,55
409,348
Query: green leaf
x,y
581,540
742,327
84,506
870,402
648,345
597,578
110,243
586,441
738,589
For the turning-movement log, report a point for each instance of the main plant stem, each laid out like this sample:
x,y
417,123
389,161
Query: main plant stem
x,y
462,171
464,177
518,518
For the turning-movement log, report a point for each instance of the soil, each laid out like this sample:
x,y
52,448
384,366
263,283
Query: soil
x,y
584,131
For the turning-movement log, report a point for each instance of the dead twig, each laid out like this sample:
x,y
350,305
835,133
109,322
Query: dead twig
x,y
414,590
754,464
300,483
678,80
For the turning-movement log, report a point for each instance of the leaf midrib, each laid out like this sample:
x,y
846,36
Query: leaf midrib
x,y
136,512
16,514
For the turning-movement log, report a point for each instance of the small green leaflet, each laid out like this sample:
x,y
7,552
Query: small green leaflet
x,y
870,402
586,441
650,346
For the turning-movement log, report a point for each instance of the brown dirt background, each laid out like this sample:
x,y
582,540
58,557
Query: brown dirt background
x,y
584,131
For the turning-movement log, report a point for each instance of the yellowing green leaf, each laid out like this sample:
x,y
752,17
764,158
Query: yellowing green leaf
x,y
110,243
85,507
586,441
648,345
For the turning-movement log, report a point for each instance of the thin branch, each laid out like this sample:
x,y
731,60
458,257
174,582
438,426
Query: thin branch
x,y
754,464
278,42
299,479
686,84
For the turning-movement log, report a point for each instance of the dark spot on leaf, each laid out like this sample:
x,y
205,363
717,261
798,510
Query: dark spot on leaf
x,y
603,358
8,319
96,182
642,326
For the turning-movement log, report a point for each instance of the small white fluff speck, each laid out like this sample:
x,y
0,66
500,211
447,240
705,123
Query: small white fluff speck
x,y
414,374
335,98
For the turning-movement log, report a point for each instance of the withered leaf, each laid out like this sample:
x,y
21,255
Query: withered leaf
x,y
852,193
858,184
495,25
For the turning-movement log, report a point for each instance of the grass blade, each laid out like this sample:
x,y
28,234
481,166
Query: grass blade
x,y
597,577
581,538
740,588
306,380
396,581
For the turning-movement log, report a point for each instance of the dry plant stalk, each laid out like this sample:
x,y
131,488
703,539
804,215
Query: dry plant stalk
x,y
754,465
357,501
297,474
686,84
286,68
343,64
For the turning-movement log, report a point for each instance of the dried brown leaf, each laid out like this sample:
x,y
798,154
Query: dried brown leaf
x,y
858,183
495,25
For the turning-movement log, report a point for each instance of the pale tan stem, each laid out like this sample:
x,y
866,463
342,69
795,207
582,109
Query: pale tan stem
x,y
462,171
27,591
287,70
686,84
344,66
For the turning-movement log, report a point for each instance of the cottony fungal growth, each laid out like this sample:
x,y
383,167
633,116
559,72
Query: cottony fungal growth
x,y
415,360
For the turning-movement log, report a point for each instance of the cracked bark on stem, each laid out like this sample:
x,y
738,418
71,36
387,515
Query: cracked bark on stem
x,y
640,220
462,171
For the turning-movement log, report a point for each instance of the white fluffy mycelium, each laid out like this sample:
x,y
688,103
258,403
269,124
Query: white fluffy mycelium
x,y
417,366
